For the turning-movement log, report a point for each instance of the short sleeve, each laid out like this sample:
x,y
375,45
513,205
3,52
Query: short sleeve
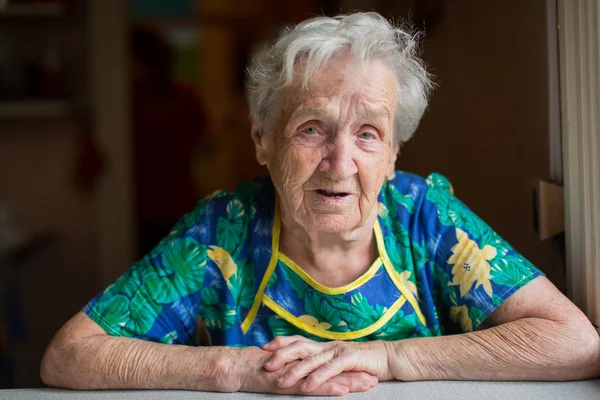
x,y
473,268
157,298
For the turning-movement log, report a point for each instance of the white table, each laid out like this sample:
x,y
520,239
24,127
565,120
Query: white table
x,y
581,390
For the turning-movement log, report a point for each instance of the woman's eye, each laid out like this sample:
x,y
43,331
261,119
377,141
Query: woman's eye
x,y
311,130
366,135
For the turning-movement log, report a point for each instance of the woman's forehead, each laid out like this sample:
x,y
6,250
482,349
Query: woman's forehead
x,y
371,89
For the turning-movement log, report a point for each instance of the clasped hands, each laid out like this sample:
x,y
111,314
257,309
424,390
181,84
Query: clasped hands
x,y
295,364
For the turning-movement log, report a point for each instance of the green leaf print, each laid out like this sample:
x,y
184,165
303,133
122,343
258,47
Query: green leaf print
x,y
365,309
404,200
246,193
476,315
114,310
242,285
439,182
403,251
272,280
187,261
189,220
445,292
336,311
506,271
130,316
420,256
231,234
399,327
281,327
325,308
163,290
299,286
216,315
169,338
452,212
398,247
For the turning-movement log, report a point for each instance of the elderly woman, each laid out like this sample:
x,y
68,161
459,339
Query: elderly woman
x,y
336,271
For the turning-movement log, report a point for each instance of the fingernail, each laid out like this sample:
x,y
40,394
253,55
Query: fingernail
x,y
304,386
268,363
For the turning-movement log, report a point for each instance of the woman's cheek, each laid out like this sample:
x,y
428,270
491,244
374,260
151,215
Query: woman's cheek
x,y
305,160
294,166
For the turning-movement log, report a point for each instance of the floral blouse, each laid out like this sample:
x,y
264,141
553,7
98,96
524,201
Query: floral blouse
x,y
220,279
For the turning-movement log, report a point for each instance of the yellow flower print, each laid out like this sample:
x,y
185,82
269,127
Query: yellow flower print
x,y
403,277
312,321
460,315
223,260
471,264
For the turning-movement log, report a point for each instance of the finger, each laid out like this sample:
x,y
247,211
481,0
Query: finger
x,y
328,389
304,368
327,371
282,341
356,381
298,350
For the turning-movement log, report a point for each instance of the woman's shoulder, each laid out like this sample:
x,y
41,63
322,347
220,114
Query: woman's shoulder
x,y
407,182
226,207
246,194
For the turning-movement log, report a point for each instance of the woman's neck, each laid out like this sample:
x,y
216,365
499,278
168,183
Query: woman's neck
x,y
329,258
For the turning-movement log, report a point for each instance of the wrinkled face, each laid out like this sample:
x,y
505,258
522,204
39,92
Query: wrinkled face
x,y
330,147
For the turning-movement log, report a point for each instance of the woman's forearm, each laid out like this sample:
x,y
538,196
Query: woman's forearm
x,y
527,349
107,362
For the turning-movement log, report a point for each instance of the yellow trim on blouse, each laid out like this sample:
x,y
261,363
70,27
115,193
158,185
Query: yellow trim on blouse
x,y
313,330
394,275
332,290
272,264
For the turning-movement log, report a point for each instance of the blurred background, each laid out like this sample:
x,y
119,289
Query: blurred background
x,y
117,116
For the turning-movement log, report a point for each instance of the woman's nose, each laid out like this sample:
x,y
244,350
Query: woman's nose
x,y
339,162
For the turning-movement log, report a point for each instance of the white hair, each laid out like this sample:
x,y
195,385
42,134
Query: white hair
x,y
367,36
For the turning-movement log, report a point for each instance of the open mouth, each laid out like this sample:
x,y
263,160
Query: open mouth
x,y
333,195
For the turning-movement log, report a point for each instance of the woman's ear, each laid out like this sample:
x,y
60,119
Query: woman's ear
x,y
260,144
392,165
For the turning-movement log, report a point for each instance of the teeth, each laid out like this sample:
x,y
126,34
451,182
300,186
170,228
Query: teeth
x,y
331,194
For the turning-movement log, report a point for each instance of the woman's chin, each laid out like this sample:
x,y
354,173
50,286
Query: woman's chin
x,y
333,223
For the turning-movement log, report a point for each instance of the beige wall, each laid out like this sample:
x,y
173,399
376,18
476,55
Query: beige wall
x,y
487,126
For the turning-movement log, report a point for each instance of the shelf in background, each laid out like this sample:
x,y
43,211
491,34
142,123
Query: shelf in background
x,y
34,109
33,9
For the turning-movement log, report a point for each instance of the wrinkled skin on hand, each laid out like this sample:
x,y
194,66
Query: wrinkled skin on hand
x,y
310,366
248,366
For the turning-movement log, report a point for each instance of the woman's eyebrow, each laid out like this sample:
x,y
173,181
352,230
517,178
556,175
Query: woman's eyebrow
x,y
373,113
310,110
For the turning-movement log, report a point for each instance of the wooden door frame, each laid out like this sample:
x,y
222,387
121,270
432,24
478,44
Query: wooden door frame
x,y
108,52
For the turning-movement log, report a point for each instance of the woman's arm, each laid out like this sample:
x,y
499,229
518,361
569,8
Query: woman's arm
x,y
83,356
537,334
